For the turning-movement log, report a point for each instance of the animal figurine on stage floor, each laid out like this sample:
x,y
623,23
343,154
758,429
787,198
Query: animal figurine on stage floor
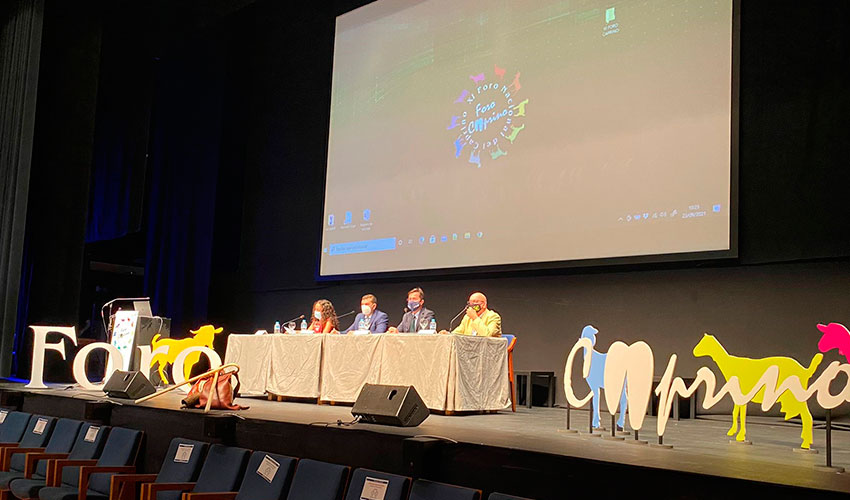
x,y
835,336
202,337
749,371
596,380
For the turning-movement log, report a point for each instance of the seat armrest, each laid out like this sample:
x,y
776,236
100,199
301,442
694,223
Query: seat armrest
x,y
8,452
221,495
119,482
87,471
149,490
32,458
58,465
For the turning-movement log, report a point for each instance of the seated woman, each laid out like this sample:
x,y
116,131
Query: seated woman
x,y
324,317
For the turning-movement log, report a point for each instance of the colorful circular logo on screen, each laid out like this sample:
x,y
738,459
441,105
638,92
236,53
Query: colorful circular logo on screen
x,y
488,118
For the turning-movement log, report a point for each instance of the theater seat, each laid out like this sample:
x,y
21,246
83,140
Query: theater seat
x,y
174,469
13,427
88,444
222,471
502,496
429,490
316,480
36,435
397,486
256,486
92,482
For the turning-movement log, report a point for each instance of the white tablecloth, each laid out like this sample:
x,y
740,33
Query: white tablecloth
x,y
450,372
349,362
286,365
253,355
422,361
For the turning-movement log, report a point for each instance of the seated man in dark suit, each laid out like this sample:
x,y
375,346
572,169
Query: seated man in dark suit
x,y
417,318
373,320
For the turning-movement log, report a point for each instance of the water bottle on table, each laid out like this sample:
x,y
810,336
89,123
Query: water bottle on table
x,y
303,325
277,327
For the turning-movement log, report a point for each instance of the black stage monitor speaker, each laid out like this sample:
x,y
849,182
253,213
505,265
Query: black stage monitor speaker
x,y
128,385
390,405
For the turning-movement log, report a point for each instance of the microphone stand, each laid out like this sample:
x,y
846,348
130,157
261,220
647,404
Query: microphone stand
x,y
457,316
346,314
293,319
338,316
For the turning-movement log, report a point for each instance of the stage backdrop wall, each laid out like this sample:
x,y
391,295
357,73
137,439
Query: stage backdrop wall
x,y
793,268
240,132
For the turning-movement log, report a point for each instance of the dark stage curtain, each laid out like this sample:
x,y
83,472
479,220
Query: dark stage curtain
x,y
20,45
186,137
117,186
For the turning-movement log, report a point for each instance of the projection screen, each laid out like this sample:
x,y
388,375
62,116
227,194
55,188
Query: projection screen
x,y
491,133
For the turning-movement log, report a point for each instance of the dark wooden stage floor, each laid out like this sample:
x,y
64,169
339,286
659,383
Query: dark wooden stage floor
x,y
522,452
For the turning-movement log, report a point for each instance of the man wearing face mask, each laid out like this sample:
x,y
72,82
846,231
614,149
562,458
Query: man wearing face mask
x,y
478,319
373,320
417,318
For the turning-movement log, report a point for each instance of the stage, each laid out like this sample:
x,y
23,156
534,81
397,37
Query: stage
x,y
522,453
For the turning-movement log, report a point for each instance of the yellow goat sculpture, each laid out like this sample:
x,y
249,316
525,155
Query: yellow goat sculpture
x,y
749,371
203,336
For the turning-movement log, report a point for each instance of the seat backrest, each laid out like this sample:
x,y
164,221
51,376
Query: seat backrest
x,y
89,442
267,477
64,435
36,435
423,489
88,445
396,486
511,340
223,469
13,426
121,449
181,465
38,431
502,496
316,480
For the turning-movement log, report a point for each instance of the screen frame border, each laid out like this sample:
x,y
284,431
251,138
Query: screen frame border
x,y
616,264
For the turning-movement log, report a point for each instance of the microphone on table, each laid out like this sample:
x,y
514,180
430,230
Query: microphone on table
x,y
346,314
457,316
292,320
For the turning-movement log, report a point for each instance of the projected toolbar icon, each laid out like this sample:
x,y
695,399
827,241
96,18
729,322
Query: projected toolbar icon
x,y
610,15
331,219
367,214
347,218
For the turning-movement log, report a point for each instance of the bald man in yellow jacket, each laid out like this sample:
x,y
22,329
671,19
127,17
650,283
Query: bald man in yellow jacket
x,y
479,320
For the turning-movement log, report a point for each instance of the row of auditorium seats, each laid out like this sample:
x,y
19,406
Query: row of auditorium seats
x,y
47,458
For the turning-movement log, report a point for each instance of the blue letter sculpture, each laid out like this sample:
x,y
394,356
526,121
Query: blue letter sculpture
x,y
596,380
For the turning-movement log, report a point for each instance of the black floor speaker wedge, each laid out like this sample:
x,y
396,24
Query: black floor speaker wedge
x,y
398,405
128,385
